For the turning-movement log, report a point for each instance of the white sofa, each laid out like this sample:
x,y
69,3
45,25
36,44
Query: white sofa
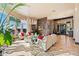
x,y
47,42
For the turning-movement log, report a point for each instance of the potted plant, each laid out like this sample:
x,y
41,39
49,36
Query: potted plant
x,y
5,36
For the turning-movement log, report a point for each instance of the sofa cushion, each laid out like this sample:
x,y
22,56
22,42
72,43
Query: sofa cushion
x,y
40,37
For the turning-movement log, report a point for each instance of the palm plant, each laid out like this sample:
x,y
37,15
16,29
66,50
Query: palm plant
x,y
5,36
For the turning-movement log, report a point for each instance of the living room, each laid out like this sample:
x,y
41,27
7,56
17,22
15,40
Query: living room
x,y
41,29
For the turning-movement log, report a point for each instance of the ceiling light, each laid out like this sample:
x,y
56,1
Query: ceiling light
x,y
53,10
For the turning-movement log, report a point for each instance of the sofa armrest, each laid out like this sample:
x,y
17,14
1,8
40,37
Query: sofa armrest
x,y
47,42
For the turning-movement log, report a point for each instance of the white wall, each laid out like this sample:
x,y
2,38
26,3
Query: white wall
x,y
76,23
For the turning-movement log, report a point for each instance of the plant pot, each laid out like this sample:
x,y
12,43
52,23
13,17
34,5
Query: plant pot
x,y
1,52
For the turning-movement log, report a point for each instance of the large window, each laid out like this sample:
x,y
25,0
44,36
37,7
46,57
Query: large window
x,y
19,24
24,25
12,22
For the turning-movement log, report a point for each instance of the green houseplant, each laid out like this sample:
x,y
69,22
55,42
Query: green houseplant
x,y
5,36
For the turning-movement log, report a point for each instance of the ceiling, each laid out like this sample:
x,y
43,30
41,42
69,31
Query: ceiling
x,y
50,10
40,10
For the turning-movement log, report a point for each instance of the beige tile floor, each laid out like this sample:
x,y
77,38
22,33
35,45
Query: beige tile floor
x,y
65,44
